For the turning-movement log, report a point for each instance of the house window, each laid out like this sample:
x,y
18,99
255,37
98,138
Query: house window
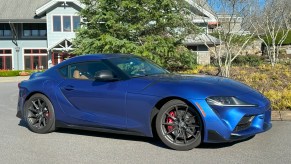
x,y
5,30
35,59
5,59
57,23
34,29
76,22
67,23
35,51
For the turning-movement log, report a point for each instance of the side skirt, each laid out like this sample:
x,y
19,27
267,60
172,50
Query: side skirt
x,y
60,124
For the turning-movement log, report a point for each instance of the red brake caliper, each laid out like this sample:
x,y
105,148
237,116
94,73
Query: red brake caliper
x,y
170,120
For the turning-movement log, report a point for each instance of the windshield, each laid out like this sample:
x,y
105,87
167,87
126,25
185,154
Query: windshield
x,y
137,67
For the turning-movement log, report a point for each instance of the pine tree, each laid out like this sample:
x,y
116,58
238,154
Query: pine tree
x,y
153,29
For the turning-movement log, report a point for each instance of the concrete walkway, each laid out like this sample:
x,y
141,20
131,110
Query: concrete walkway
x,y
276,115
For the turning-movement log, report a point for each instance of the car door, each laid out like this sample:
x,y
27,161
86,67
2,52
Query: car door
x,y
98,103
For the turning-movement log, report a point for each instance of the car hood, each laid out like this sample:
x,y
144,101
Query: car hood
x,y
189,86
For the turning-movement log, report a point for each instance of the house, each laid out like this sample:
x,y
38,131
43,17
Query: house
x,y
203,16
36,34
231,24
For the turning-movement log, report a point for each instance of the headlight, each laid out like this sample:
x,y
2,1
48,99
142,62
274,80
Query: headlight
x,y
227,101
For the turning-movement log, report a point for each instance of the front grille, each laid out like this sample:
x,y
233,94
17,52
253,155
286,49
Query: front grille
x,y
244,123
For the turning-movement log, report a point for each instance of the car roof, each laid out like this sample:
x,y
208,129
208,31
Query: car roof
x,y
89,57
102,56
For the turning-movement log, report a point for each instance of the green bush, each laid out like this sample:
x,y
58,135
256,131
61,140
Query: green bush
x,y
9,73
251,60
279,36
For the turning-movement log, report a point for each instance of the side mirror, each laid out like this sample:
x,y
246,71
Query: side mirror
x,y
105,75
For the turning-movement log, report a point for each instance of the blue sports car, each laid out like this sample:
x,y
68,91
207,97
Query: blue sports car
x,y
131,95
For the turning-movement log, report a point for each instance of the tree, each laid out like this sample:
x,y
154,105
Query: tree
x,y
271,23
230,29
153,29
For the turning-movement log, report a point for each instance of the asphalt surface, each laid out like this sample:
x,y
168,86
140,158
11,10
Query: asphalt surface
x,y
19,145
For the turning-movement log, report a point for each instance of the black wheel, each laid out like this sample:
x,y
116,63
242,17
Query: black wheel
x,y
39,114
179,126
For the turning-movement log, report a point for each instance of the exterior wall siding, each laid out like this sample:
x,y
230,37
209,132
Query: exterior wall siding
x,y
56,37
17,57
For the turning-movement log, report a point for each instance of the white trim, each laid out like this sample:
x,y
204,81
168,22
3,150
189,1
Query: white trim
x,y
57,43
51,3
12,56
31,48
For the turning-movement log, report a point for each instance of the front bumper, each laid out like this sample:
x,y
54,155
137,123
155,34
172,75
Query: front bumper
x,y
19,114
21,100
215,137
228,124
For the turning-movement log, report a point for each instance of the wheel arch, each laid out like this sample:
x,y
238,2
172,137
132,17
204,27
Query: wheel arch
x,y
35,92
163,101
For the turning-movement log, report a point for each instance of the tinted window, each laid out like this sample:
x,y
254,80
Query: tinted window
x,y
64,71
84,70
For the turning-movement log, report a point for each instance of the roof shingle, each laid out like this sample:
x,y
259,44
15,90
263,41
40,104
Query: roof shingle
x,y
13,10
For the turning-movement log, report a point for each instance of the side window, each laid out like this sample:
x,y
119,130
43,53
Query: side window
x,y
84,70
64,71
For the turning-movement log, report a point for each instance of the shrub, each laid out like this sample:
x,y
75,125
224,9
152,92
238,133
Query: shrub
x,y
273,82
251,60
287,41
8,73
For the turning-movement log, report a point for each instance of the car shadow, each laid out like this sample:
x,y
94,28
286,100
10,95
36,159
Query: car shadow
x,y
222,145
154,141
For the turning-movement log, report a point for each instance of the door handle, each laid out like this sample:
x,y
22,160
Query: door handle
x,y
69,87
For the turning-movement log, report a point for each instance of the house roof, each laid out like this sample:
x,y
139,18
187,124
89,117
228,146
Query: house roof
x,y
20,10
201,39
30,11
202,12
51,3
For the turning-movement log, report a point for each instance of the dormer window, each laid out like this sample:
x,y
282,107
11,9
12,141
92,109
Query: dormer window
x,y
57,24
66,23
76,22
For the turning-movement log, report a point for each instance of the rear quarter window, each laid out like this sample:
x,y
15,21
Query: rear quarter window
x,y
64,71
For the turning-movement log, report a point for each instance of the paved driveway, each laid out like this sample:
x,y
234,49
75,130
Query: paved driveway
x,y
19,145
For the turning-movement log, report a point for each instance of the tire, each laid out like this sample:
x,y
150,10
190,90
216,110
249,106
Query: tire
x,y
179,126
39,114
